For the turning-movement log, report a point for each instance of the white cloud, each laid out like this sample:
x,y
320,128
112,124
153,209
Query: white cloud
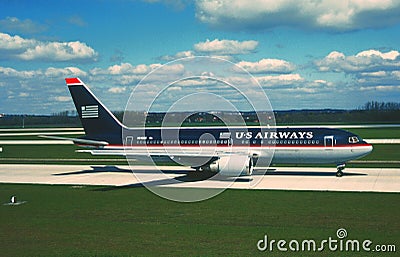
x,y
387,88
169,69
174,88
325,14
222,49
62,98
365,61
125,69
64,72
179,55
336,55
16,47
43,89
128,74
381,88
196,82
13,24
392,55
226,47
379,78
369,69
59,51
280,80
321,82
396,74
267,66
373,74
8,42
7,72
117,90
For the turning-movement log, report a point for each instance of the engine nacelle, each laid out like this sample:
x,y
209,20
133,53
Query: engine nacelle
x,y
231,166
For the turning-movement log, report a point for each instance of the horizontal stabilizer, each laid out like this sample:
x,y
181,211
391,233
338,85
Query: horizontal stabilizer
x,y
78,141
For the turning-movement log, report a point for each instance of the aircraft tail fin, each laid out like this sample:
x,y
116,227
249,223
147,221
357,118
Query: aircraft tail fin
x,y
98,122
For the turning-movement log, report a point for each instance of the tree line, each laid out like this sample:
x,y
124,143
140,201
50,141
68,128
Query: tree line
x,y
381,106
370,112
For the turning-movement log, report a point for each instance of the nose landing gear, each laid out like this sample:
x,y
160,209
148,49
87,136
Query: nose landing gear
x,y
340,168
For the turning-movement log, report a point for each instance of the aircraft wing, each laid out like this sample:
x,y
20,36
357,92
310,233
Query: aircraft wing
x,y
162,152
79,141
193,158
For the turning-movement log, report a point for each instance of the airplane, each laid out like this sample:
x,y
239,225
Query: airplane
x,y
233,151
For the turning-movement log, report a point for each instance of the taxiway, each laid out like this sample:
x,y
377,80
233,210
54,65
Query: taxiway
x,y
278,178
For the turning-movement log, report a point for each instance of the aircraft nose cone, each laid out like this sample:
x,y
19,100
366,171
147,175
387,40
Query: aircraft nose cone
x,y
362,150
368,148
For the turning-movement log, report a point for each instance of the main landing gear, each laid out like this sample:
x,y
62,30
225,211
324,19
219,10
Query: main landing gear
x,y
340,168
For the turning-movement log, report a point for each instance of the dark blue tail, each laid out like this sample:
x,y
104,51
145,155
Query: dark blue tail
x,y
98,122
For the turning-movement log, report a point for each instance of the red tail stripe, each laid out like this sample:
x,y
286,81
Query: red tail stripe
x,y
72,81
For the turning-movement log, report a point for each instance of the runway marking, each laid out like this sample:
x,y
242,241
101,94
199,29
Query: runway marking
x,y
40,129
41,133
383,141
66,160
375,161
36,142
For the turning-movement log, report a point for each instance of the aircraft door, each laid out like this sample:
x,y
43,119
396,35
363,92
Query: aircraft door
x,y
129,141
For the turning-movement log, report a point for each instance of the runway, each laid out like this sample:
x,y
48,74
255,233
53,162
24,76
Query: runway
x,y
279,178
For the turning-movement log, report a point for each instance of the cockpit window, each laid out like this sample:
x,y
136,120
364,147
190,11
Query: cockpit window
x,y
353,140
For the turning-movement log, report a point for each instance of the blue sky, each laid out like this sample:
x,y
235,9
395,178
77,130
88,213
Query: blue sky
x,y
304,54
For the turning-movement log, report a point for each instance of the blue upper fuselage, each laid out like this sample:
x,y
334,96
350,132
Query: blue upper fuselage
x,y
236,136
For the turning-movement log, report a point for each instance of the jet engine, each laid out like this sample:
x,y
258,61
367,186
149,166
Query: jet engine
x,y
231,166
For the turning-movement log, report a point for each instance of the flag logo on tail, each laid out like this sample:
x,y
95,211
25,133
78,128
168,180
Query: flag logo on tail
x,y
90,111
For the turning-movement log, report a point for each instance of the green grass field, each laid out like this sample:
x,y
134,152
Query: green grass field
x,y
376,133
102,221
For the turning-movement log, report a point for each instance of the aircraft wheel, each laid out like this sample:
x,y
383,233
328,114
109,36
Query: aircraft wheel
x,y
340,168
